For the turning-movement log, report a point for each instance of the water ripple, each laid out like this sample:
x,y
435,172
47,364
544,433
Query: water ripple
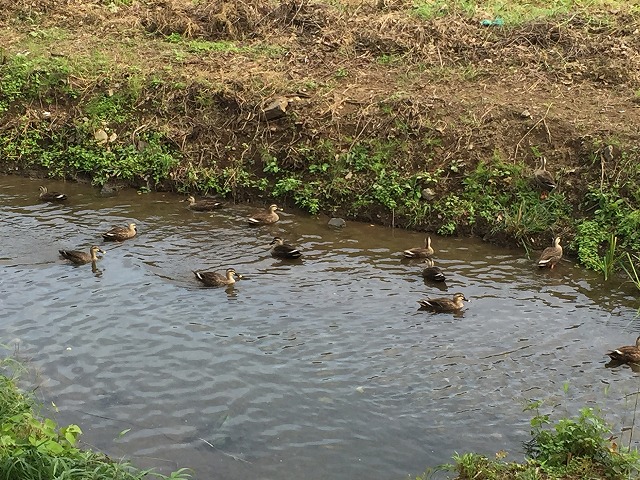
x,y
304,366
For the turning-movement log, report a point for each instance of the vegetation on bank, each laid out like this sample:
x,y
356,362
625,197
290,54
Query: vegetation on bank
x,y
35,448
577,448
174,97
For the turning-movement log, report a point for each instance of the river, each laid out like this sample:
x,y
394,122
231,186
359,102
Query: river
x,y
322,368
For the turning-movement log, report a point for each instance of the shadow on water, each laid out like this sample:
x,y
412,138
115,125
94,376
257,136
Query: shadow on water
x,y
303,365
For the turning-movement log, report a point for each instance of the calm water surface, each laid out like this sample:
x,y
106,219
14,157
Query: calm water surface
x,y
318,369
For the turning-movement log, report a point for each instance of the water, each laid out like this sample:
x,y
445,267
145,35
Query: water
x,y
318,369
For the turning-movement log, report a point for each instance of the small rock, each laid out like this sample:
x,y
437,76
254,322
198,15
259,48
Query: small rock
x,y
108,190
336,222
276,109
101,136
525,114
428,194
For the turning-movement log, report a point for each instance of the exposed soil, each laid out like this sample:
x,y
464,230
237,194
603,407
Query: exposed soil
x,y
451,89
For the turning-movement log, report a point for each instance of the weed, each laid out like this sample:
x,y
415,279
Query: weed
x,y
631,269
32,448
578,447
341,73
25,78
578,443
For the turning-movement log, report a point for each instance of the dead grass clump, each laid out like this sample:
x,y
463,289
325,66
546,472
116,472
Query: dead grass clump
x,y
28,10
234,20
170,17
304,16
438,41
231,20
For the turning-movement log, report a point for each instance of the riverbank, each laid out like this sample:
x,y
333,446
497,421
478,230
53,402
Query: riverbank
x,y
423,115
34,447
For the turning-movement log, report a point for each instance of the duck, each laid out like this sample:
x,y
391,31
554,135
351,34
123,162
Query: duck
x,y
48,196
443,304
626,354
215,279
551,255
203,205
420,252
431,272
79,257
280,249
265,217
118,234
543,177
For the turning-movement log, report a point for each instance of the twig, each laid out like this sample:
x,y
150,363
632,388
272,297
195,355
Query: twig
x,y
601,171
504,353
515,154
633,422
224,453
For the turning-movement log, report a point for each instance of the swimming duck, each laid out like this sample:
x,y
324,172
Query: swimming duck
x,y
215,279
551,255
283,250
118,234
626,354
203,205
78,257
47,196
264,218
443,304
431,272
543,177
420,252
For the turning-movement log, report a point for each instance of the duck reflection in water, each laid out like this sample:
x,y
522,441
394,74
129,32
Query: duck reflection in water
x,y
96,271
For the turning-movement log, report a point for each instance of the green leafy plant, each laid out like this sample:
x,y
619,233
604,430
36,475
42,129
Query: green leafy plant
x,y
571,448
577,443
33,448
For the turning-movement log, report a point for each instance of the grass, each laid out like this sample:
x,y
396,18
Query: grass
x,y
632,269
575,448
516,12
35,448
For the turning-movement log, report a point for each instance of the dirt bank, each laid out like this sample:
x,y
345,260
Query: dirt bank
x,y
379,110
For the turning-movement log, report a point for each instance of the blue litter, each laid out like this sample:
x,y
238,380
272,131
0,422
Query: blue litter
x,y
496,22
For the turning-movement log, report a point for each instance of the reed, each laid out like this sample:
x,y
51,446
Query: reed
x,y
610,259
631,270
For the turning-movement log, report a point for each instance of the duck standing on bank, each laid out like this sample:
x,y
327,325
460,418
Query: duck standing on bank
x,y
79,257
544,178
551,255
265,217
215,279
119,234
420,252
47,196
443,304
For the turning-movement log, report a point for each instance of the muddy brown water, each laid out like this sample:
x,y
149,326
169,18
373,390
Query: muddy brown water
x,y
316,369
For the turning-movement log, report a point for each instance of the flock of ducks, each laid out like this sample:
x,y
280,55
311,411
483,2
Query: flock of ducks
x,y
279,249
548,259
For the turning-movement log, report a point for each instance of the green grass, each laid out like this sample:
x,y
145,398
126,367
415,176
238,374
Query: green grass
x,y
575,448
35,448
515,12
